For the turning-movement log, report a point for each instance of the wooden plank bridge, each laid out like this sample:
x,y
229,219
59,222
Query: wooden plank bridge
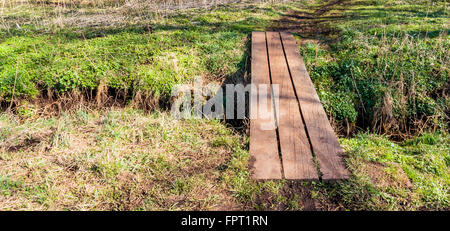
x,y
300,144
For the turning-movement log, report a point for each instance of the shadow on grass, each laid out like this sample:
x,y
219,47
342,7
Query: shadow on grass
x,y
190,33
318,24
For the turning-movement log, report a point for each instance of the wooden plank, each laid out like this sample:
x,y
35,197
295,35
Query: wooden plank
x,y
325,145
295,148
265,162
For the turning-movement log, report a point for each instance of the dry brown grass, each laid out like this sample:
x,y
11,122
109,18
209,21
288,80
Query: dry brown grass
x,y
123,159
113,160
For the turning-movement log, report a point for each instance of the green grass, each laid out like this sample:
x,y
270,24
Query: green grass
x,y
125,159
384,66
130,58
411,175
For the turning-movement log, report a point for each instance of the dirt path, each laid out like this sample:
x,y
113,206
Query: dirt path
x,y
313,23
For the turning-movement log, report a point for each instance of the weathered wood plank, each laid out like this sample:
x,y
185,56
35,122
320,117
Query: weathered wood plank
x,y
322,137
265,162
295,148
